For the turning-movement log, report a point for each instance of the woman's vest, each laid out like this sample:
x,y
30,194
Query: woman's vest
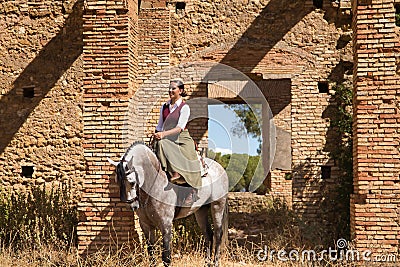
x,y
171,118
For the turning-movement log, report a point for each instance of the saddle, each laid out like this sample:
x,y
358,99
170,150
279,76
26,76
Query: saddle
x,y
200,156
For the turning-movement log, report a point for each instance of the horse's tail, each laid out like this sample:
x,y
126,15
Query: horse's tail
x,y
225,225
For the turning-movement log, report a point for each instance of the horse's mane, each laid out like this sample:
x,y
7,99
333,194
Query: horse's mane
x,y
156,163
132,146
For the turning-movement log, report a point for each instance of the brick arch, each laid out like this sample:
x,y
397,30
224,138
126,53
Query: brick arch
x,y
217,51
291,60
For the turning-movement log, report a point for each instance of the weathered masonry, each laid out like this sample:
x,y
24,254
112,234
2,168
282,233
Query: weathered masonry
x,y
72,70
375,209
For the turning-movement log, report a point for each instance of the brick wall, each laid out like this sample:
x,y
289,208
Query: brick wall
x,y
301,52
41,51
153,58
64,123
279,39
248,202
375,203
154,75
109,30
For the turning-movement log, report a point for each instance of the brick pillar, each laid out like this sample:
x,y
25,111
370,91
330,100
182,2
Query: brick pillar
x,y
153,57
109,67
374,204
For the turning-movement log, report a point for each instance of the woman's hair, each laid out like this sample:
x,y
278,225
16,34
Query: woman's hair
x,y
180,85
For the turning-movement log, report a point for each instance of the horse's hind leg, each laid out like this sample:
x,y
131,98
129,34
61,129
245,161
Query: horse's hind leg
x,y
217,212
202,220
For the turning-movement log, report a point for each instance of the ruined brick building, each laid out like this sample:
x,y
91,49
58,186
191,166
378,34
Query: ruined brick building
x,y
70,70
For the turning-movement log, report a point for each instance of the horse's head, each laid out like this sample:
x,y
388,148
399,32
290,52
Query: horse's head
x,y
127,179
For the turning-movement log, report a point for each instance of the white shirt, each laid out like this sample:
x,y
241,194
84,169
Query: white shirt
x,y
183,116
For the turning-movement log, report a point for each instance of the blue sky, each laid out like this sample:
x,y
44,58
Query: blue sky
x,y
220,137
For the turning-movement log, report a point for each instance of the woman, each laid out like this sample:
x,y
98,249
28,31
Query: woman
x,y
174,147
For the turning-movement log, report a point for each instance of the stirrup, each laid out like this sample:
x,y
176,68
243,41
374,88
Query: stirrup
x,y
190,199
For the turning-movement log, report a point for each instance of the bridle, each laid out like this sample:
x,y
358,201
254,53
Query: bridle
x,y
122,177
137,189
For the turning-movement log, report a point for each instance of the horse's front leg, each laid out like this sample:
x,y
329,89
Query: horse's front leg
x,y
151,241
166,237
150,234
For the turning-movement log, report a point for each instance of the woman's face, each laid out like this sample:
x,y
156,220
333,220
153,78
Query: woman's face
x,y
174,91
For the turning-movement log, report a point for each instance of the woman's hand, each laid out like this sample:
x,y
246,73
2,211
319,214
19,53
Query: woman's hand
x,y
159,135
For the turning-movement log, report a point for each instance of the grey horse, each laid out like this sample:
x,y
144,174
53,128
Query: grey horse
x,y
145,187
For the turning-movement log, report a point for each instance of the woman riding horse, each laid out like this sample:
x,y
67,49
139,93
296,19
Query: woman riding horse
x,y
174,146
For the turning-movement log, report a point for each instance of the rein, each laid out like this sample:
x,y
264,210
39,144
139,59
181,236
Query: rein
x,y
147,199
124,175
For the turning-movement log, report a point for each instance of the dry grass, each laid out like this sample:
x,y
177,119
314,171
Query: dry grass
x,y
184,254
233,256
33,234
50,257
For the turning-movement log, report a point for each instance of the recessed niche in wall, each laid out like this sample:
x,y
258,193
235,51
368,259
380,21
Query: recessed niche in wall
x,y
28,91
27,171
343,41
326,172
323,87
318,3
397,7
180,7
288,176
105,103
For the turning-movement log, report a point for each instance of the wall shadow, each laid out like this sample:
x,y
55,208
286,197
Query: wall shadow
x,y
119,219
313,205
331,201
41,74
338,73
268,28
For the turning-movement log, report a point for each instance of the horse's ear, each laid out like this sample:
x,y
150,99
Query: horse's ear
x,y
112,162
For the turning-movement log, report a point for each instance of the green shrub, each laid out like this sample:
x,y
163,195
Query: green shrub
x,y
38,217
241,170
343,155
